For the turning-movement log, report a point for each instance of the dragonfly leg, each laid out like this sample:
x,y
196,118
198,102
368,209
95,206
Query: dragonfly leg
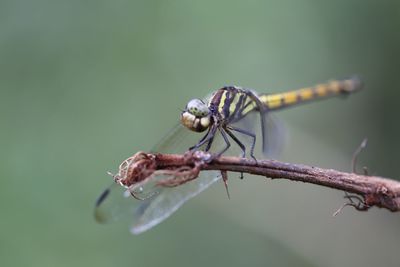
x,y
248,133
201,142
209,144
240,144
228,144
206,138
214,130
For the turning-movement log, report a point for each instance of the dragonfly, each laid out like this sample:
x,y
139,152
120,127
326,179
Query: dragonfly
x,y
230,121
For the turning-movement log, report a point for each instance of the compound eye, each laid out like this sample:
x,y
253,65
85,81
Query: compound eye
x,y
197,107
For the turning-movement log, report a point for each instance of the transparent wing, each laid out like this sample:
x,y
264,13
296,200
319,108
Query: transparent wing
x,y
155,210
116,202
275,136
177,140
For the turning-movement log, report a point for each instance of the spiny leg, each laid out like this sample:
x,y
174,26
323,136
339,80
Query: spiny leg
x,y
202,141
240,144
205,138
228,144
208,147
252,135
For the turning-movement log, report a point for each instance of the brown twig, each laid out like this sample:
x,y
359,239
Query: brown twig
x,y
371,190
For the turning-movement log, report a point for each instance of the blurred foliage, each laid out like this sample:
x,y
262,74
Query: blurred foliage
x,y
85,84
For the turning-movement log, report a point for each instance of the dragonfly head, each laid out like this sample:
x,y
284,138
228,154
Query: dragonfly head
x,y
196,116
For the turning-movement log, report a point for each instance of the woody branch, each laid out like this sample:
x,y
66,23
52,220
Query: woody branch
x,y
371,190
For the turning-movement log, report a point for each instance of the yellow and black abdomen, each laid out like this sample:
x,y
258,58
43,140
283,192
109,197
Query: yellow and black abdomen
x,y
320,91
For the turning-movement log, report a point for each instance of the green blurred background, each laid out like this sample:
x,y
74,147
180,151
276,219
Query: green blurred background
x,y
85,84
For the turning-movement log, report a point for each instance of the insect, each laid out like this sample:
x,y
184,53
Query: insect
x,y
229,116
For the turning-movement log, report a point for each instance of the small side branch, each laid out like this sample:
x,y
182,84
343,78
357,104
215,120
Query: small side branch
x,y
372,190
